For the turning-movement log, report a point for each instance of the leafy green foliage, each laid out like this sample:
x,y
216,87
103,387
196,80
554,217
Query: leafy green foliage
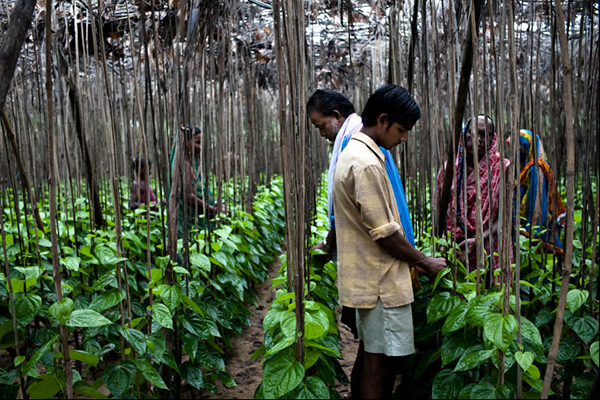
x,y
467,337
315,377
477,331
106,297
282,374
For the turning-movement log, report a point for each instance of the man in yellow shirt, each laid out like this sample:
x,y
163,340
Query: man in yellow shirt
x,y
373,252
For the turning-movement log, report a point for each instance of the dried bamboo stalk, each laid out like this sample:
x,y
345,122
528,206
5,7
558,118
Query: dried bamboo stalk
x,y
52,183
570,172
466,67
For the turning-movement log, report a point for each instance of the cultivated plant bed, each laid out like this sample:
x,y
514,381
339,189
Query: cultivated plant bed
x,y
473,340
129,333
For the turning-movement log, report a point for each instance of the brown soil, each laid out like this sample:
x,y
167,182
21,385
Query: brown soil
x,y
248,374
349,348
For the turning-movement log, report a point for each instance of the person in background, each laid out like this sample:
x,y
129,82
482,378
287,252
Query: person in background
x,y
197,205
333,114
461,218
373,252
139,188
542,210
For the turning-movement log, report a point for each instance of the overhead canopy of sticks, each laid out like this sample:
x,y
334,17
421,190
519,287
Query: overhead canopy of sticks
x,y
227,49
129,74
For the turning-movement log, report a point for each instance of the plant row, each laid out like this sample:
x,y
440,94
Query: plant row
x,y
484,342
473,341
315,376
129,333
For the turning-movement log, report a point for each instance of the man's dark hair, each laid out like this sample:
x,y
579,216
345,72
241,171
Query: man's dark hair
x,y
325,101
396,102
141,161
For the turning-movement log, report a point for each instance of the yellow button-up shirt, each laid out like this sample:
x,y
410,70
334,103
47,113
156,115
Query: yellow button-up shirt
x,y
366,211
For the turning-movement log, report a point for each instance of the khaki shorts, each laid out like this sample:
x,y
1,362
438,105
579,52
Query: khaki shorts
x,y
386,331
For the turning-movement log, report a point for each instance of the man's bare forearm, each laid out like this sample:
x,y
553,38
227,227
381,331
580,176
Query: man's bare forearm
x,y
398,246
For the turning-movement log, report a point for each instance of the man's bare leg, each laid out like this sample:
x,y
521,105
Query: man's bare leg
x,y
373,375
356,374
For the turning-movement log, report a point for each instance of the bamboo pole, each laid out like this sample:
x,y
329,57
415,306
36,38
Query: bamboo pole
x,y
22,169
289,30
594,78
465,76
52,182
427,115
413,39
11,298
74,98
566,273
110,130
439,126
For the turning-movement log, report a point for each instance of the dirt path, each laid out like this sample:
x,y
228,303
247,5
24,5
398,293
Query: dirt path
x,y
349,348
248,374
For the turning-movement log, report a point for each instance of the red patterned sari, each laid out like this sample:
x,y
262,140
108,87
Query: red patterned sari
x,y
461,218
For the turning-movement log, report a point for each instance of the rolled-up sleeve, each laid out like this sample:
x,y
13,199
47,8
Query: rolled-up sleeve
x,y
371,194
384,231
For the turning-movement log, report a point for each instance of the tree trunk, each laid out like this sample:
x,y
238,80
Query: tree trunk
x,y
20,20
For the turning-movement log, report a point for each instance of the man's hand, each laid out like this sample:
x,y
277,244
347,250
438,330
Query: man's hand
x,y
431,266
323,257
398,246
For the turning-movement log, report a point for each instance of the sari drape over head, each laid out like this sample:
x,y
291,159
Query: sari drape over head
x,y
541,207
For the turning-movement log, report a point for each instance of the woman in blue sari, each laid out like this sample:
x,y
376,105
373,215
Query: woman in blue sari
x,y
542,210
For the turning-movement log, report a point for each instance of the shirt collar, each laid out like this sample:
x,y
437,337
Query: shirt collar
x,y
361,137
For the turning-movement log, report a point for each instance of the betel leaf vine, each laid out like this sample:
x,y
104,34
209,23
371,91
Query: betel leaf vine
x,y
318,374
206,306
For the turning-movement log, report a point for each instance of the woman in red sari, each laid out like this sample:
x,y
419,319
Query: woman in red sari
x,y
140,188
475,147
